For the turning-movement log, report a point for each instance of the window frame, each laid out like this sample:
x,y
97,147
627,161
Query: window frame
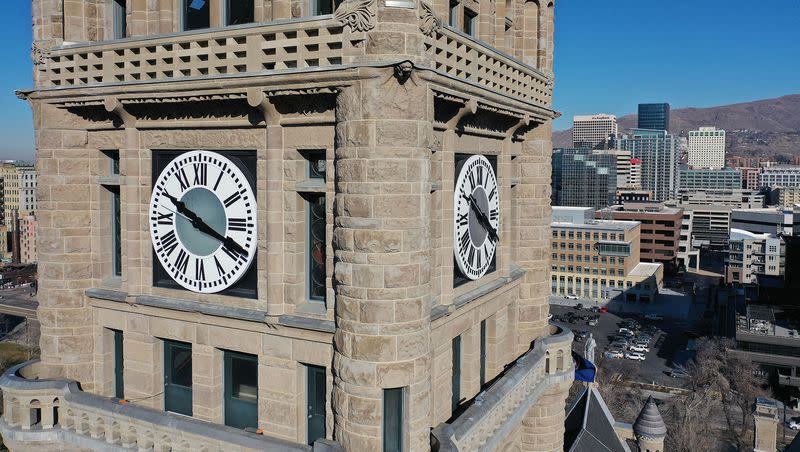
x,y
402,394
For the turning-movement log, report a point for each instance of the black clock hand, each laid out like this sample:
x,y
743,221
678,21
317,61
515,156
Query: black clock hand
x,y
484,220
203,227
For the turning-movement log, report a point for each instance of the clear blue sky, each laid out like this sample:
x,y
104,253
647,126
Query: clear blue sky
x,y
609,57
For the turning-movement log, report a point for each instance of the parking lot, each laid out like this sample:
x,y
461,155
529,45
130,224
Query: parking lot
x,y
667,345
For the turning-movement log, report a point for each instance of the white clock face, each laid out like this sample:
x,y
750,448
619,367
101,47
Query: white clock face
x,y
203,221
476,224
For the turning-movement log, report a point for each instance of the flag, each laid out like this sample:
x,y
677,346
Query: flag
x,y
584,369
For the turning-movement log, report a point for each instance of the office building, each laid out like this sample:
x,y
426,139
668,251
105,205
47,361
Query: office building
x,y
19,190
687,252
780,176
750,177
710,225
329,142
660,229
633,195
737,198
751,255
706,148
766,336
594,131
707,179
599,259
27,239
784,197
658,154
583,177
653,116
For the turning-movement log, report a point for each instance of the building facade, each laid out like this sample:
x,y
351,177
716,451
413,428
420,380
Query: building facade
x,y
706,148
653,116
659,157
780,176
737,198
599,259
750,177
784,197
660,229
692,179
593,131
336,145
776,221
27,239
583,177
752,255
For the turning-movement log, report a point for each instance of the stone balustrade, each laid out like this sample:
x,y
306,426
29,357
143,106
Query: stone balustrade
x,y
279,46
55,412
496,411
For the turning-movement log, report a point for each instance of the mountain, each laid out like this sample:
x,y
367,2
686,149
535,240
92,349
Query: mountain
x,y
763,127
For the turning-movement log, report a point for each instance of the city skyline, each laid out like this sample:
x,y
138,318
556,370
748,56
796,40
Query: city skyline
x,y
635,76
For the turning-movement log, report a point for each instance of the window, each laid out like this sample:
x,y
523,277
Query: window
x,y
196,14
483,352
316,246
239,12
456,376
178,377
119,382
324,7
119,14
452,18
241,390
393,413
116,231
316,164
316,394
470,22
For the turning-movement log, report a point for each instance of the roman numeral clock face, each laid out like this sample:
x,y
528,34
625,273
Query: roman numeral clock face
x,y
203,221
476,202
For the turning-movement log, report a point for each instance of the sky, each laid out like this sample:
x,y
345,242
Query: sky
x,y
610,56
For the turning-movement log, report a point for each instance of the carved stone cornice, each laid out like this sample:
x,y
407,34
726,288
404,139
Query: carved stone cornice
x,y
429,22
359,15
40,52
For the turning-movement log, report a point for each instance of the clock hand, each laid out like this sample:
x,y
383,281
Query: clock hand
x,y
484,220
201,226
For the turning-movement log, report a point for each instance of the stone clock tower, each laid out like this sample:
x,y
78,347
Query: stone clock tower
x,y
290,225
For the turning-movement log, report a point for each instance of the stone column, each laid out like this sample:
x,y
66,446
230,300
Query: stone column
x,y
381,244
543,425
533,205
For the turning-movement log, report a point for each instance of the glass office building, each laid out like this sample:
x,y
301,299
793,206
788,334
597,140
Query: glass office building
x,y
584,178
659,154
709,179
654,116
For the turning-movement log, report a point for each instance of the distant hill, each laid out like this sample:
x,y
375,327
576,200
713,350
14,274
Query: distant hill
x,y
762,127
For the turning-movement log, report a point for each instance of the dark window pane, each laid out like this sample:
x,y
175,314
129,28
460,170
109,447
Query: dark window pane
x,y
116,231
195,14
181,361
240,12
119,388
483,352
470,22
393,420
244,378
452,19
323,7
456,377
316,164
119,14
316,251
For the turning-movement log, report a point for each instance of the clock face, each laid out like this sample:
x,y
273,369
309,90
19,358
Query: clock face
x,y
203,221
476,224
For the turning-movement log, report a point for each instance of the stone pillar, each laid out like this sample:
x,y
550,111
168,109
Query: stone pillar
x,y
765,417
533,252
381,243
543,424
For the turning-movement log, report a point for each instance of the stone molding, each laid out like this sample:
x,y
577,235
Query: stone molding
x,y
500,408
359,15
429,22
103,423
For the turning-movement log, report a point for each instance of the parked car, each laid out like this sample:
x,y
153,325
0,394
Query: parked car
x,y
618,344
594,309
677,373
624,330
794,425
549,316
639,348
654,317
579,305
572,297
592,322
603,310
616,354
634,356
580,333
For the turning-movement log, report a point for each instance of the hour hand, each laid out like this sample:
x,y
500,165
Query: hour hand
x,y
484,220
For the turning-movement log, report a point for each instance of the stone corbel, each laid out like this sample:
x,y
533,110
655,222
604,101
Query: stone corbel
x,y
114,106
523,122
359,15
257,99
469,108
429,23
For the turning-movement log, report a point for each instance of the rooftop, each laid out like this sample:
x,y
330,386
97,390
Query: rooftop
x,y
768,321
645,269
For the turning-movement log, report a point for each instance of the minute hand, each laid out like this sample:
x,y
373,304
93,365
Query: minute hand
x,y
203,227
484,220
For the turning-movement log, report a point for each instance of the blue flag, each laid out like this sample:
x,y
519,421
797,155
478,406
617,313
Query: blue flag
x,y
584,369
197,4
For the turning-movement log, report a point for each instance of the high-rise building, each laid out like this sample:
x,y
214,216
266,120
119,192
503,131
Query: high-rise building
x,y
599,259
593,131
582,177
270,221
706,148
653,116
658,154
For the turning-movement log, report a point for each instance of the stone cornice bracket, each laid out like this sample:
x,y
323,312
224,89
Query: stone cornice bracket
x,y
470,108
359,15
40,52
257,99
114,106
523,122
429,23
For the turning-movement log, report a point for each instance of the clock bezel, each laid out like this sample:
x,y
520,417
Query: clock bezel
x,y
245,161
